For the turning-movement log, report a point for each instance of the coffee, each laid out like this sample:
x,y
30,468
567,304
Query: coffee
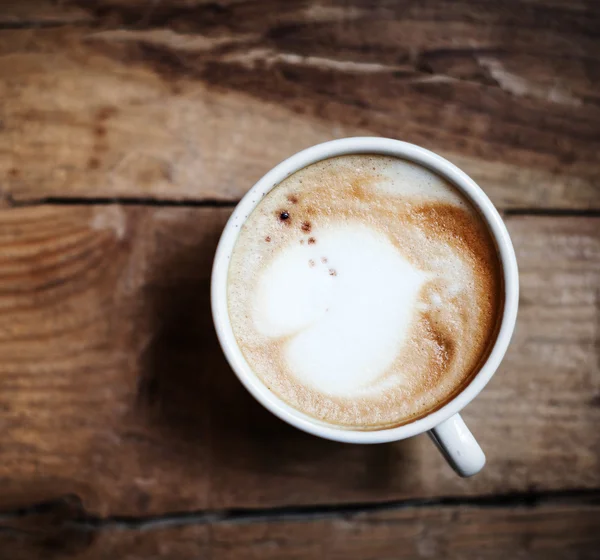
x,y
365,291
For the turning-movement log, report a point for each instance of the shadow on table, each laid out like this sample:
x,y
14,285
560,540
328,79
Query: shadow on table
x,y
193,398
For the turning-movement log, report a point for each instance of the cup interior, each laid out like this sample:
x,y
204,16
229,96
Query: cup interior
x,y
347,146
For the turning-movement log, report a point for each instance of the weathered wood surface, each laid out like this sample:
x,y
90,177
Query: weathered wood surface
x,y
113,387
453,533
195,100
114,396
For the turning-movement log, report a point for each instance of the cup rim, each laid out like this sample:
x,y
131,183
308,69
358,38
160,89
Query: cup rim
x,y
349,146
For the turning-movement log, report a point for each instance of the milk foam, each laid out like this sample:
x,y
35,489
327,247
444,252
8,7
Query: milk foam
x,y
348,316
364,291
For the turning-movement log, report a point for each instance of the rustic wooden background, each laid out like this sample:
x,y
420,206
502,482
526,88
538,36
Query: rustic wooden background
x,y
129,128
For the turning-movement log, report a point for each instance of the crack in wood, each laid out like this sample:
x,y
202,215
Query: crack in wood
x,y
40,24
74,516
553,212
11,202
122,201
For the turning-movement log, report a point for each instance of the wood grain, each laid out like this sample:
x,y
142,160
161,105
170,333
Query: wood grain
x,y
113,387
542,533
196,100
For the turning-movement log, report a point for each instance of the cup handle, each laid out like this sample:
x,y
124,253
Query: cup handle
x,y
458,446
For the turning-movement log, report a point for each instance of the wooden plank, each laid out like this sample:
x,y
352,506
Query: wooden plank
x,y
427,533
544,533
100,362
187,100
113,387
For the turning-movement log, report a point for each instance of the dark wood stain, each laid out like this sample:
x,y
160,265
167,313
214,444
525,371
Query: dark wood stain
x,y
106,112
93,163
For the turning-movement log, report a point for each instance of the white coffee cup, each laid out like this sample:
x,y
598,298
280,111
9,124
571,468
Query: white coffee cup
x,y
445,426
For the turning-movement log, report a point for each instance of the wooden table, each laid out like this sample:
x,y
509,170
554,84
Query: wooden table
x,y
129,129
